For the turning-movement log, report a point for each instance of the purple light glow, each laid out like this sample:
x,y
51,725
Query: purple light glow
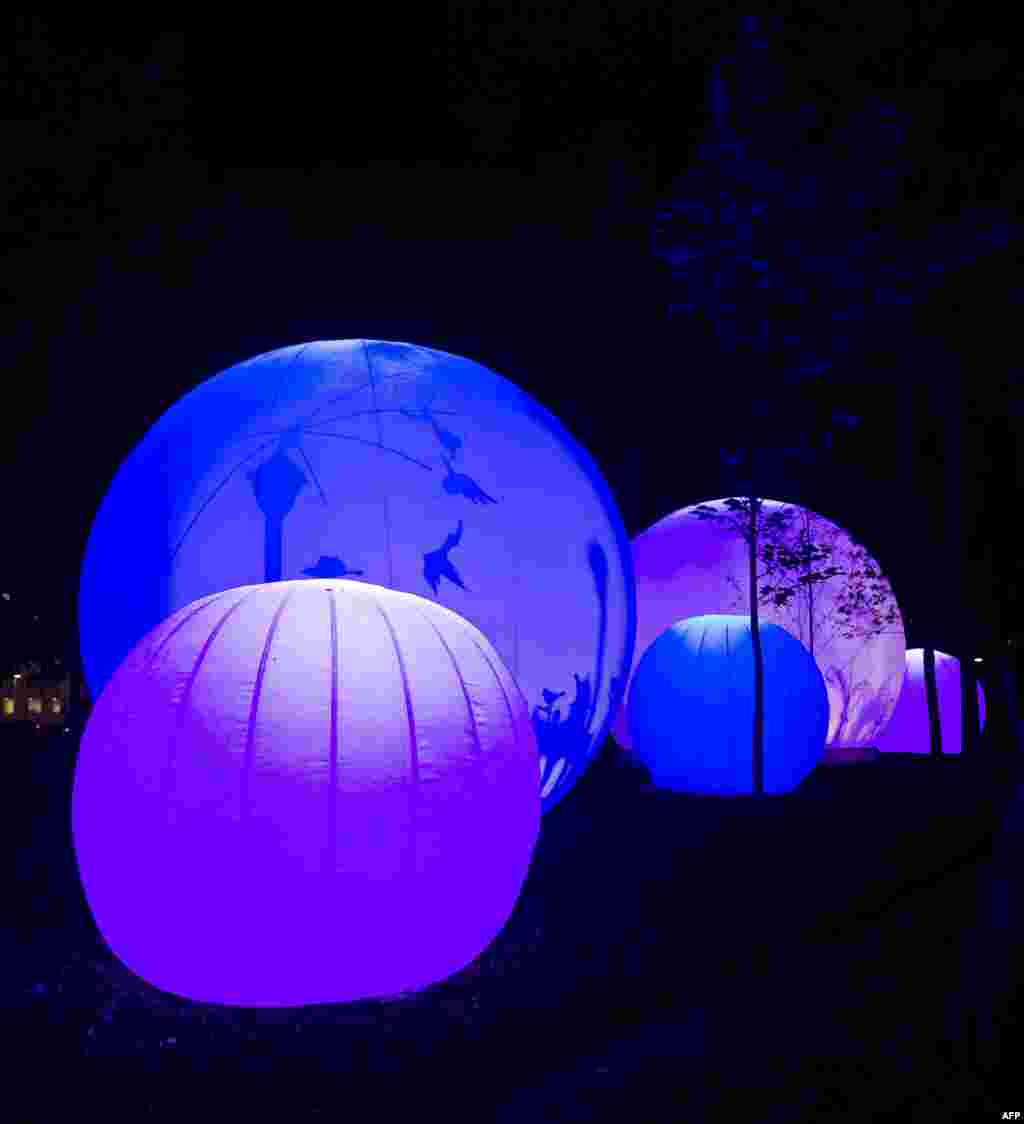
x,y
908,730
305,792
685,567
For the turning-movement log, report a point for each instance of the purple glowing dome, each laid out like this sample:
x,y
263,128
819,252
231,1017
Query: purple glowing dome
x,y
305,792
818,583
909,730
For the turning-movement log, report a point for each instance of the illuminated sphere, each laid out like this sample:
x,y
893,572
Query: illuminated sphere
x,y
388,463
691,708
909,730
687,567
307,792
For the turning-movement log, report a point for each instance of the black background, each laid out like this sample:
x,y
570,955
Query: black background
x,y
483,182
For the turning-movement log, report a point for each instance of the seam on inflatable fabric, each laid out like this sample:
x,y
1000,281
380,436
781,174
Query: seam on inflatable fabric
x,y
333,749
157,651
380,442
700,653
216,492
285,371
462,681
414,761
250,734
501,686
170,768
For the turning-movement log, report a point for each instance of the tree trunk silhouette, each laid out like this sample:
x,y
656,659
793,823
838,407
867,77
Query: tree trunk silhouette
x,y
1001,704
273,540
838,677
810,613
933,702
969,723
755,636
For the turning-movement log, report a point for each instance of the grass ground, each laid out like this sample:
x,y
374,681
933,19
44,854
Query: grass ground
x,y
829,955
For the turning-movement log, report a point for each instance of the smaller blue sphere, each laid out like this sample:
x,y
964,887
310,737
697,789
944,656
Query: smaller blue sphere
x,y
691,708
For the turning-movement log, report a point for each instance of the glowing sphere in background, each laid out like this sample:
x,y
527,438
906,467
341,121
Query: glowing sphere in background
x,y
691,708
305,792
909,730
389,463
685,567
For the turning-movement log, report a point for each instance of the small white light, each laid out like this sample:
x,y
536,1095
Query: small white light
x,y
977,659
17,675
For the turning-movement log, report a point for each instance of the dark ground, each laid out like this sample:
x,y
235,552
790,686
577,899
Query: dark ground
x,y
836,954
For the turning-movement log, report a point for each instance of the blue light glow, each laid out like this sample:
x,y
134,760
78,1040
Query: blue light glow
x,y
691,708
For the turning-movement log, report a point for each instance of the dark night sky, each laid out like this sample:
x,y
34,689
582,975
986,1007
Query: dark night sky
x,y
178,202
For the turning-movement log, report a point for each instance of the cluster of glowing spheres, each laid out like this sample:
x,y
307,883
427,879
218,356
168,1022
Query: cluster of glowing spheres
x,y
909,729
695,562
305,792
691,708
389,463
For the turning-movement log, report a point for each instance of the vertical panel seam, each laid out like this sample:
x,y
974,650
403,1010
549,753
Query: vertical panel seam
x,y
497,679
462,681
170,774
158,650
380,442
250,736
332,778
414,758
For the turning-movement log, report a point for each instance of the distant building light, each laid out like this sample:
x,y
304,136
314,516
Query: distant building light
x,y
17,675
978,659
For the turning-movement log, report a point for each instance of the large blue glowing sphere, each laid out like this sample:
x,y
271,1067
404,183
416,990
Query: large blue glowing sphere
x,y
389,463
305,792
909,729
691,708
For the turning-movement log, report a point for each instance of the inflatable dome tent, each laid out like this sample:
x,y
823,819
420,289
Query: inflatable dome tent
x,y
388,463
691,708
305,792
909,729
816,582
